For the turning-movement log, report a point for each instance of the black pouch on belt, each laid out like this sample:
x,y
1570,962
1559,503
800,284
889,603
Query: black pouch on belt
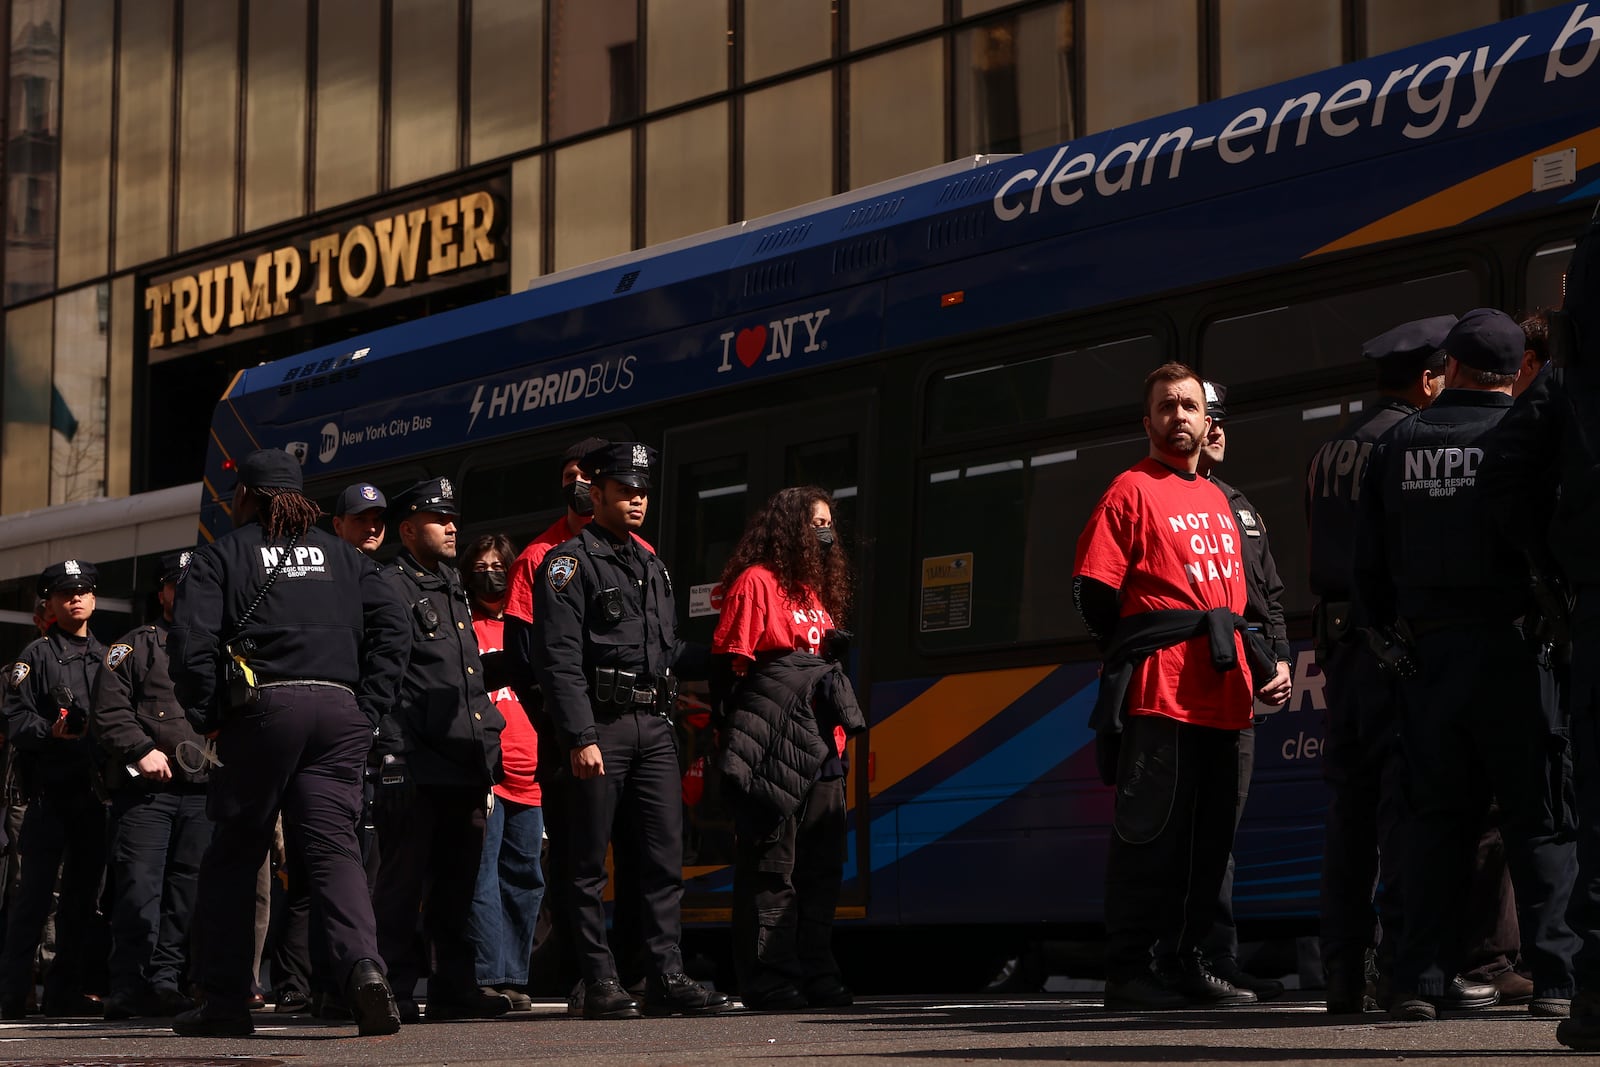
x,y
1224,649
605,684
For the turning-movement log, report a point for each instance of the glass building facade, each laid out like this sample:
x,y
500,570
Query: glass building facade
x,y
194,186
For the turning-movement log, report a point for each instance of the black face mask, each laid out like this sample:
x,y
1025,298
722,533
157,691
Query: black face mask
x,y
578,499
486,585
824,536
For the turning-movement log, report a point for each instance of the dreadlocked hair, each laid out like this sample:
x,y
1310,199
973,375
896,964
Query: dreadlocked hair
x,y
286,512
779,537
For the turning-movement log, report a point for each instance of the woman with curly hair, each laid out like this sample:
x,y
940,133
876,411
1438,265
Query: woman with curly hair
x,y
782,729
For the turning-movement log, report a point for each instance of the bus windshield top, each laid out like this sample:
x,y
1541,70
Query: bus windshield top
x,y
1484,124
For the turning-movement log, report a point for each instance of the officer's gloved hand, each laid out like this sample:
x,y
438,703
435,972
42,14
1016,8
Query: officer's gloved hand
x,y
395,788
1107,751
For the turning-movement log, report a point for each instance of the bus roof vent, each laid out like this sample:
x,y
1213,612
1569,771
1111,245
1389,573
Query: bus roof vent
x,y
770,277
979,184
868,214
958,228
865,254
773,240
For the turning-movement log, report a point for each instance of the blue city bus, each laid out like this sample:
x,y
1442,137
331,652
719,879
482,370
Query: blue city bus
x,y
958,356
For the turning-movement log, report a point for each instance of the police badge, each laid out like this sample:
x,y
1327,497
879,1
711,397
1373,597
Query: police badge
x,y
561,570
641,456
116,655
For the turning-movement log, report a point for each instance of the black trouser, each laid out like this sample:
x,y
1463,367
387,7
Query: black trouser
x,y
1177,788
296,929
1472,723
1584,706
300,749
65,831
1366,805
430,850
641,776
158,837
1222,943
786,880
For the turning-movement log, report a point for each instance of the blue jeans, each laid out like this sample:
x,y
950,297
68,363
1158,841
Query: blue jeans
x,y
505,905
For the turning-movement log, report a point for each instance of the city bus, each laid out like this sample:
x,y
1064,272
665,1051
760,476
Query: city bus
x,y
958,357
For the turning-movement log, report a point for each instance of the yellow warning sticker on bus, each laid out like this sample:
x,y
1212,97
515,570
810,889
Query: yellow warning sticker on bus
x,y
947,592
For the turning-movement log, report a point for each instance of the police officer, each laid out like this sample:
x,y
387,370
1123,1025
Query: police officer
x,y
439,753
1359,763
607,649
358,517
1435,577
46,709
1539,484
153,765
1264,612
287,645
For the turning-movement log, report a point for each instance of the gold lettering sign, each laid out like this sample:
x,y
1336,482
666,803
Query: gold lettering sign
x,y
415,245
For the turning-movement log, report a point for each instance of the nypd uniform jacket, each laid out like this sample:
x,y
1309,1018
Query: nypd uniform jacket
x,y
136,710
443,721
1426,551
1333,496
1263,586
329,617
46,763
593,608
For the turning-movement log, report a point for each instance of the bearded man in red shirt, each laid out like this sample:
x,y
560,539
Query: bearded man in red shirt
x,y
1159,580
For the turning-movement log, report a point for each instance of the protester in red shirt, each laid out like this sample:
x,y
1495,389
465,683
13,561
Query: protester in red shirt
x,y
781,594
1160,582
505,904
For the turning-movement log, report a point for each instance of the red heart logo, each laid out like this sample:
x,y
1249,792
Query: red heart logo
x,y
750,344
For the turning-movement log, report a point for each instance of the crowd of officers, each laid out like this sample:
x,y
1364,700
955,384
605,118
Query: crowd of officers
x,y
1452,556
422,748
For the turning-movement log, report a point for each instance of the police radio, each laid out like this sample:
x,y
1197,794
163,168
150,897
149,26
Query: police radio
x,y
76,719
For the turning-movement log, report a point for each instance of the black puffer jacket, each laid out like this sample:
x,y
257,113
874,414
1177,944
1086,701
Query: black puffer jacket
x,y
772,747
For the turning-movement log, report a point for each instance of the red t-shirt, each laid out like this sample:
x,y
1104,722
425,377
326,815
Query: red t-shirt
x,y
519,583
1168,541
519,743
757,617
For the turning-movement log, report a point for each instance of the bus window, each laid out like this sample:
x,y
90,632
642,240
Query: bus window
x,y
1003,394
996,534
1546,277
833,464
495,492
1328,331
710,502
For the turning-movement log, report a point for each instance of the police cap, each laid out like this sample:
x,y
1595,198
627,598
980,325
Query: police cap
x,y
1216,400
358,498
172,565
583,448
271,468
627,462
1488,340
1417,339
435,495
68,576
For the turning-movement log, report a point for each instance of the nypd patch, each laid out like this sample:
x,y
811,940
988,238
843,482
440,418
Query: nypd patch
x,y
561,570
116,655
16,674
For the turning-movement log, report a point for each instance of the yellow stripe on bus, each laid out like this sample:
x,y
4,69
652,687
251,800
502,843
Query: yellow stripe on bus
x,y
1464,200
948,713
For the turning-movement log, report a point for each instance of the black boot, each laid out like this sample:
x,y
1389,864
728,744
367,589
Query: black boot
x,y
212,1019
1349,990
371,1000
606,999
673,994
1581,1032
474,1004
1196,982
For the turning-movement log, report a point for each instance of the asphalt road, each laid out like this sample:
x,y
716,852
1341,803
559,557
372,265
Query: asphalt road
x,y
890,1030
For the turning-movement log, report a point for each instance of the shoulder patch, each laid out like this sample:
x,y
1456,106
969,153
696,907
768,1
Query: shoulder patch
x,y
560,571
16,674
116,655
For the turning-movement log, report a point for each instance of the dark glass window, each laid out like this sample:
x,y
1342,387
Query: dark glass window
x,y
1013,82
1327,331
1007,393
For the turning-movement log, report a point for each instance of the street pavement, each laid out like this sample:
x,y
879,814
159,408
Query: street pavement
x,y
886,1030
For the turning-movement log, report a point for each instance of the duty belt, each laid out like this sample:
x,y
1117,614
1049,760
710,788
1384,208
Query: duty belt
x,y
619,689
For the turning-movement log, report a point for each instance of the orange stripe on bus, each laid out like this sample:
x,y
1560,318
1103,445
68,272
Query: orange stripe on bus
x,y
942,717
1465,200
